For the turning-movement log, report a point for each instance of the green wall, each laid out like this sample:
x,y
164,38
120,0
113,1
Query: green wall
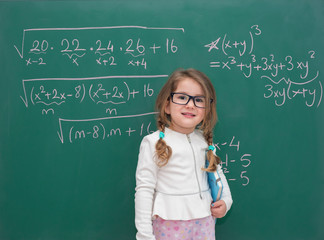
x,y
77,89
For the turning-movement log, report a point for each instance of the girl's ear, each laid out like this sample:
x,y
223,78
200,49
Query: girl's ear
x,y
167,107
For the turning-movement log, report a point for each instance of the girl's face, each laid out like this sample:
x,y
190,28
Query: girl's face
x,y
185,118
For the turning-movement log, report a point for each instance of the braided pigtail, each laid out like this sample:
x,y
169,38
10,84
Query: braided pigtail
x,y
163,151
212,159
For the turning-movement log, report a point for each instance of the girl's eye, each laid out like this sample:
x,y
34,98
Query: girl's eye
x,y
182,97
200,100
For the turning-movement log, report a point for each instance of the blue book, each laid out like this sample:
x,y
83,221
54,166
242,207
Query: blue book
x,y
215,185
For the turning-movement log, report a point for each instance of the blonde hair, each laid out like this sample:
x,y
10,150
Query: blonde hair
x,y
163,151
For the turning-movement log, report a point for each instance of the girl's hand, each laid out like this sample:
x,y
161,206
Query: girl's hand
x,y
218,209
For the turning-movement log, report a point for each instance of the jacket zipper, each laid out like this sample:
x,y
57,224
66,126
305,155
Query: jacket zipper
x,y
196,174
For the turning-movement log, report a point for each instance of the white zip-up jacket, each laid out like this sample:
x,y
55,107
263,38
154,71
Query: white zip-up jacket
x,y
178,190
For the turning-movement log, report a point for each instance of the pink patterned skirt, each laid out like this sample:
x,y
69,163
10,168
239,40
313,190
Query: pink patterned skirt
x,y
202,229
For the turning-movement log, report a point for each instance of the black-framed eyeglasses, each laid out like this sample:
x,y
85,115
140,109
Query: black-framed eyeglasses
x,y
183,99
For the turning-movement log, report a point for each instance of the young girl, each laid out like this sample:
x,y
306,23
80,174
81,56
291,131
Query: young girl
x,y
172,199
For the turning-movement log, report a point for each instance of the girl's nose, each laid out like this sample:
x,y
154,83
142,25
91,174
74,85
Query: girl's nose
x,y
191,103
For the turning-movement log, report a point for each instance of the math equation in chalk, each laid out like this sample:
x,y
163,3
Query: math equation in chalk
x,y
104,47
107,93
104,129
286,77
234,161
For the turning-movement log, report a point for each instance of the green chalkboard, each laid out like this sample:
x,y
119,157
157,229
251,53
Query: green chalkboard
x,y
77,89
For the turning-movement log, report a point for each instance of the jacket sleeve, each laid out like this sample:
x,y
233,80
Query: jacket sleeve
x,y
146,177
226,195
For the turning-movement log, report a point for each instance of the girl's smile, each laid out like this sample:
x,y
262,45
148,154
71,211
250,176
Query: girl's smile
x,y
188,114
